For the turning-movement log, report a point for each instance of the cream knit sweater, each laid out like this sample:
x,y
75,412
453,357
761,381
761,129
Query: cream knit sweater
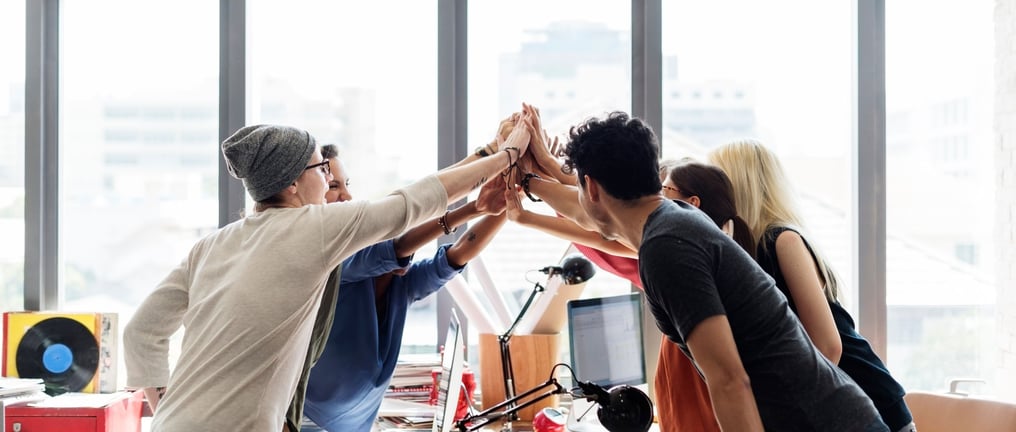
x,y
247,296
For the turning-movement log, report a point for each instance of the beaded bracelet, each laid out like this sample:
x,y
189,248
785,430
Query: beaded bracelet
x,y
525,186
443,222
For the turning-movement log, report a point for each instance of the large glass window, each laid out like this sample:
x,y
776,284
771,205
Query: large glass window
x,y
940,188
311,67
12,154
138,140
738,69
572,61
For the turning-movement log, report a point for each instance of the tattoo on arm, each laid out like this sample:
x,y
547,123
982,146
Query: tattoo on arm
x,y
480,183
471,236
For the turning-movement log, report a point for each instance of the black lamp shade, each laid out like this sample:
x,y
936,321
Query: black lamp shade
x,y
629,410
576,269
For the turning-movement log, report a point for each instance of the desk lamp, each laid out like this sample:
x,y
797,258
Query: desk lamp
x,y
621,409
574,269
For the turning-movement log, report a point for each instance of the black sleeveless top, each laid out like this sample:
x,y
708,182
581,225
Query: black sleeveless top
x,y
858,360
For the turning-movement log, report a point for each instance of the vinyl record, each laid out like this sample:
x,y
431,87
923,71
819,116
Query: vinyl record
x,y
61,351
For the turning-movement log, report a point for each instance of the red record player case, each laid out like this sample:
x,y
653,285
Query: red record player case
x,y
121,415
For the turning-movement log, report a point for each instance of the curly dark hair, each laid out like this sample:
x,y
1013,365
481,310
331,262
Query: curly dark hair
x,y
620,152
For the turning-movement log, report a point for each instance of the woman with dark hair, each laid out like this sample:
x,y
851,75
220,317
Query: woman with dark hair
x,y
708,188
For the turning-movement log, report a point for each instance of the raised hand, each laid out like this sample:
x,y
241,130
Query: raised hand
x,y
528,164
518,140
507,125
513,205
543,156
491,198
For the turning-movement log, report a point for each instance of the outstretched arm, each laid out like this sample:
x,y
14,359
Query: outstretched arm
x,y
503,129
542,151
563,199
563,228
407,244
473,241
490,201
460,180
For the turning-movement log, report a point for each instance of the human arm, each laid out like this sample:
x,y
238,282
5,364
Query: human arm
x,y
373,260
563,199
407,244
430,274
460,180
490,201
351,226
146,336
475,240
680,284
504,128
543,151
712,345
563,228
801,273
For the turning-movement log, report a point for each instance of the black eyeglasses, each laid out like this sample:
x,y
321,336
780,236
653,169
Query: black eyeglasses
x,y
325,169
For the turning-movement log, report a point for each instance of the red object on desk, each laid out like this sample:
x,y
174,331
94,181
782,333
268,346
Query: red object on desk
x,y
465,395
122,414
549,420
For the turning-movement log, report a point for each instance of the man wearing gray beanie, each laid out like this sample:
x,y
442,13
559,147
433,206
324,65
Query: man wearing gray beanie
x,y
248,293
267,158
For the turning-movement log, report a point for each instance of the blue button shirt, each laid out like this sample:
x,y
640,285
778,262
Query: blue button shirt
x,y
349,381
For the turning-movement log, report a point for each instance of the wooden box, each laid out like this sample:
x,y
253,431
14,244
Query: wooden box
x,y
533,358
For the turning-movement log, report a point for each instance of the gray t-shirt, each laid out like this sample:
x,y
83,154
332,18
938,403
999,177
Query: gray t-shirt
x,y
692,271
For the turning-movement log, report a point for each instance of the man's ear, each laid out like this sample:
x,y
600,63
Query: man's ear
x,y
695,201
592,189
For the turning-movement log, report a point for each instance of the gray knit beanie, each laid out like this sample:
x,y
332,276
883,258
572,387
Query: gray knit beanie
x,y
267,158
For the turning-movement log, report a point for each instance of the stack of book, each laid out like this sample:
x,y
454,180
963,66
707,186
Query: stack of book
x,y
21,390
413,379
405,423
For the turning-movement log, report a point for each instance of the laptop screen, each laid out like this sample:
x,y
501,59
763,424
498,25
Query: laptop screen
x,y
450,382
606,340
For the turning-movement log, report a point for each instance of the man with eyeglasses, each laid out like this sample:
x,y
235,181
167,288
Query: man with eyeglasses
x,y
247,293
378,285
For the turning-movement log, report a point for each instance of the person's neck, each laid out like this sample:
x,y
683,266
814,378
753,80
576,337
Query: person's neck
x,y
289,203
627,220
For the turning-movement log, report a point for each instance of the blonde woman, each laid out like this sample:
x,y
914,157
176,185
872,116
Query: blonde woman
x,y
765,201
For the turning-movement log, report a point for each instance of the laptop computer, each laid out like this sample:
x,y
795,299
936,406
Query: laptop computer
x,y
605,337
450,380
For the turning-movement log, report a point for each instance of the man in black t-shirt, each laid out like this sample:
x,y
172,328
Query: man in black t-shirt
x,y
708,295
